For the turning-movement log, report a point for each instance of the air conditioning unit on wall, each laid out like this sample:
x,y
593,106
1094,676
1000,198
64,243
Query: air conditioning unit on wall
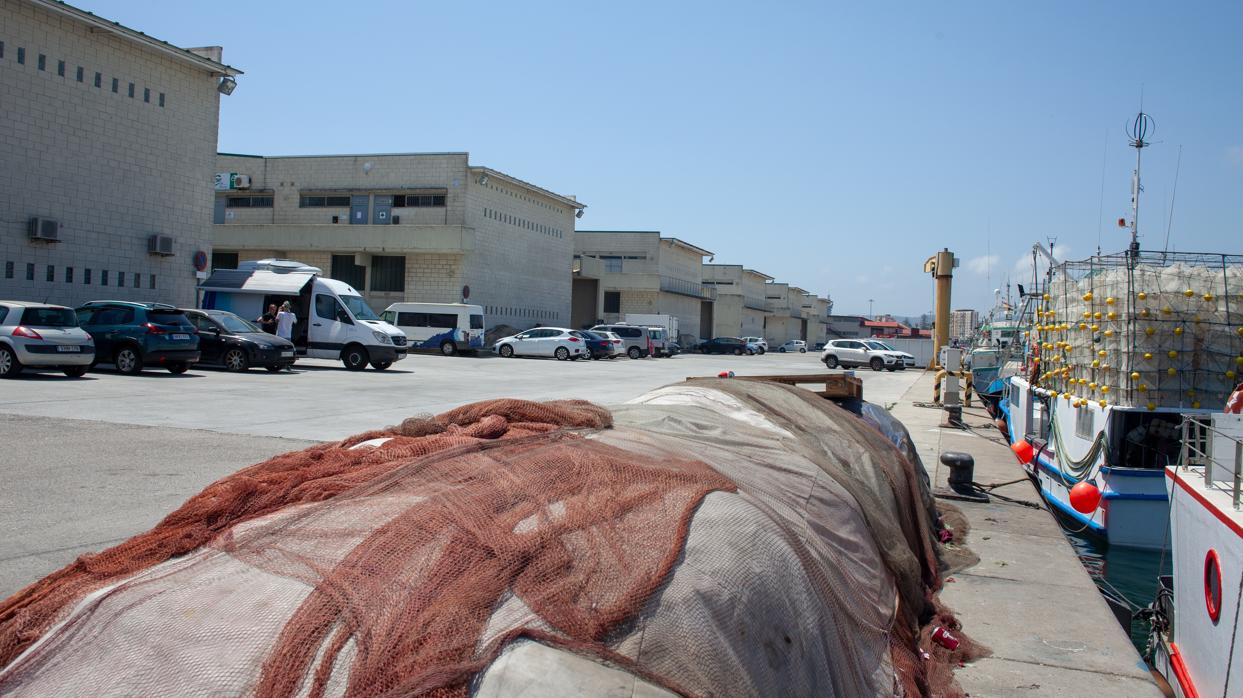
x,y
44,229
242,181
160,245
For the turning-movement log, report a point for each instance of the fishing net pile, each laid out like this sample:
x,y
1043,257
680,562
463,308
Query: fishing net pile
x,y
715,538
1158,330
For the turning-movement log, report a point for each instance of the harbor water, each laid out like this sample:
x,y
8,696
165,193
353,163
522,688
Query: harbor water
x,y
1129,573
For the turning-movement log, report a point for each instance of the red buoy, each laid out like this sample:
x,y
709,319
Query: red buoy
x,y
1085,497
1023,451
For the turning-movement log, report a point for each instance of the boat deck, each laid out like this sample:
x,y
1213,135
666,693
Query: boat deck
x,y
1028,599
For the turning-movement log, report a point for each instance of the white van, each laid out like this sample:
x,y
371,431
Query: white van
x,y
334,322
446,327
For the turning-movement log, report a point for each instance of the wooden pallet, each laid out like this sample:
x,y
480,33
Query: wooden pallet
x,y
837,386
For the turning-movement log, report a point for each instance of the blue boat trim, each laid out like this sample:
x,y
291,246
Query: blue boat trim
x,y
1133,472
1138,496
1093,525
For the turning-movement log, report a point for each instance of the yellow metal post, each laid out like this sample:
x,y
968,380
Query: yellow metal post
x,y
941,266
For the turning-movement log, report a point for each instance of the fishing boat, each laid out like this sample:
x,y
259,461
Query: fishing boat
x,y
1123,349
997,348
1194,642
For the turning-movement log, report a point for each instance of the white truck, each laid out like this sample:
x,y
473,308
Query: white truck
x,y
660,341
334,322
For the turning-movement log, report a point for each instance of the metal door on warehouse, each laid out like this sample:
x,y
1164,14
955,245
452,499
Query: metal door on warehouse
x,y
358,210
383,210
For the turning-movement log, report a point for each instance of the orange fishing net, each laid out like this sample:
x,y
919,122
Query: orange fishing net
x,y
406,561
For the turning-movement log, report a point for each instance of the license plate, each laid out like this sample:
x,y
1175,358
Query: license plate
x,y
286,353
65,347
181,336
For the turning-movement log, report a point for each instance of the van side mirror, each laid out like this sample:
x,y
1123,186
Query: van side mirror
x,y
342,316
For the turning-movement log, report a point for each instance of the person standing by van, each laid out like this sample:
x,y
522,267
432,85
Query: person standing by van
x,y
285,320
267,321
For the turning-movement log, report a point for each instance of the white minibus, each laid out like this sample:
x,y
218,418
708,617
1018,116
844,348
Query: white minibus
x,y
449,328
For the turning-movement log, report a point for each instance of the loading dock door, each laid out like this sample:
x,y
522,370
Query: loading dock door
x,y
358,210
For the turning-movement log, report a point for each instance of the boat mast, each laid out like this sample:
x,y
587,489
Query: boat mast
x,y
1138,133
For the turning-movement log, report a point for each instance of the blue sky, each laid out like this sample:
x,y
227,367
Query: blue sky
x,y
832,145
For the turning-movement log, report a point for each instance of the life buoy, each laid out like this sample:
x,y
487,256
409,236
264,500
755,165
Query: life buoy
x,y
1234,405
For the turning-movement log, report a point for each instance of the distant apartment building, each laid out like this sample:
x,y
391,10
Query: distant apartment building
x,y
424,227
620,271
107,150
846,327
784,319
740,306
963,323
816,314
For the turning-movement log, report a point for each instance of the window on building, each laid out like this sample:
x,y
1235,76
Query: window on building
x,y
411,200
388,273
344,269
146,95
121,279
103,277
137,280
86,277
116,85
68,275
324,202
152,281
99,79
161,99
30,272
42,62
224,260
21,55
81,74
249,202
8,270
51,272
131,90
60,68
612,301
612,263
1,49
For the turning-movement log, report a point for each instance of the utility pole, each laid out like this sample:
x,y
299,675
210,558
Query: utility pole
x,y
870,315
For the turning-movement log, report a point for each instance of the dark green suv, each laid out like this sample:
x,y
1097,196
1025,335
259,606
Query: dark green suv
x,y
134,335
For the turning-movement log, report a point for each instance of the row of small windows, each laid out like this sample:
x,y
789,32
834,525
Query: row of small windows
x,y
67,275
80,75
522,223
399,201
524,197
249,202
529,313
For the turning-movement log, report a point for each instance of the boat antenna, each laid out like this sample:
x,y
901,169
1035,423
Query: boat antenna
x,y
1100,212
1173,194
1138,131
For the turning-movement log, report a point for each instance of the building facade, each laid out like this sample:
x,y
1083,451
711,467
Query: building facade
x,y
425,227
643,272
108,139
963,323
816,315
740,307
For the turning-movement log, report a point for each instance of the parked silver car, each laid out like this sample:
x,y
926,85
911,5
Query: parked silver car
x,y
634,338
41,336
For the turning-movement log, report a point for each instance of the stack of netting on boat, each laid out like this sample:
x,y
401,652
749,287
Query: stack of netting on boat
x,y
721,538
1156,330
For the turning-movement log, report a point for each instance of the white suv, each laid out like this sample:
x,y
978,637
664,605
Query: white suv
x,y
543,341
849,353
760,343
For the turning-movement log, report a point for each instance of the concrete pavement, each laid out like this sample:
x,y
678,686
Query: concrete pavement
x,y
1029,598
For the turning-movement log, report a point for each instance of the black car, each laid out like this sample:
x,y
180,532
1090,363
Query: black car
x,y
724,345
228,340
601,347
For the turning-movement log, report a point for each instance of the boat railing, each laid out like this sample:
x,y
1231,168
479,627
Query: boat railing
x,y
1215,442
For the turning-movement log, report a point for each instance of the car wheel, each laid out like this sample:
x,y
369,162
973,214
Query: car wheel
x,y
75,371
877,363
737,352
448,348
128,361
354,358
763,351
381,365
781,350
235,360
830,361
562,353
9,365
802,351
178,368
507,351
634,353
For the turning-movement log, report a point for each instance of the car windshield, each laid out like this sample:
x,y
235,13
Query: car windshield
x,y
233,323
49,317
876,345
359,308
169,317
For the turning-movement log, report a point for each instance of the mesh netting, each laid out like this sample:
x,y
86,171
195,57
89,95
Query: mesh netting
x,y
709,543
1157,330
